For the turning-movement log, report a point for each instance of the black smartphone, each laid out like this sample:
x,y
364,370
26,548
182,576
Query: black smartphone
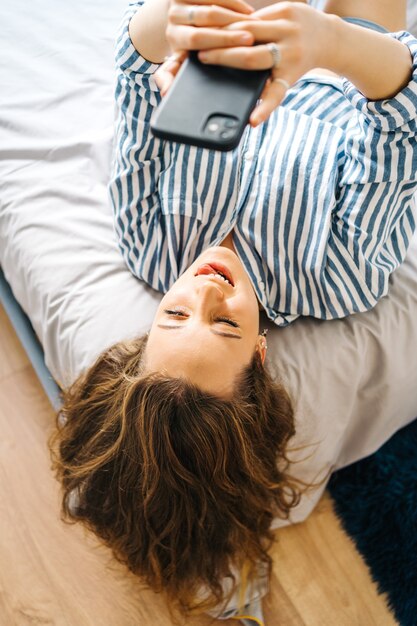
x,y
208,105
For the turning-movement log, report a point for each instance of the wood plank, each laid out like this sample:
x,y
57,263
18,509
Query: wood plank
x,y
324,576
12,356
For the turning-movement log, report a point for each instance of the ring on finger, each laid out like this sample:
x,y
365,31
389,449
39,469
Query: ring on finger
x,y
281,81
275,54
190,15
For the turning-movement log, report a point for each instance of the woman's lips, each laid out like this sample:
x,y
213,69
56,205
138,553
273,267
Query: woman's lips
x,y
215,268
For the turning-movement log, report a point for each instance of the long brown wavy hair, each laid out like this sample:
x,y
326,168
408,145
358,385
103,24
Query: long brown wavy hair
x,y
180,484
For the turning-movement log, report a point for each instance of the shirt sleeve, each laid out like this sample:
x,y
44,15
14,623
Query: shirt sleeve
x,y
395,113
139,159
374,216
128,60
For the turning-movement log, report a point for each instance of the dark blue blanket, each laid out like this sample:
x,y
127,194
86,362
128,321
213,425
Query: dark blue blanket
x,y
376,501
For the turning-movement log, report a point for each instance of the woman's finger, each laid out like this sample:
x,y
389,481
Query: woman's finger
x,y
240,6
250,58
163,79
190,38
263,31
278,10
271,97
166,73
211,15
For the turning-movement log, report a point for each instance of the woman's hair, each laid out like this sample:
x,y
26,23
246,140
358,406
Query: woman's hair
x,y
180,484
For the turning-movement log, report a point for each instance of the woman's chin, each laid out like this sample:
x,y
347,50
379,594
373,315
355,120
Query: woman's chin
x,y
226,257
221,251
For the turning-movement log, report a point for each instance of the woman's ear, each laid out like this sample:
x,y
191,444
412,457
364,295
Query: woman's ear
x,y
261,347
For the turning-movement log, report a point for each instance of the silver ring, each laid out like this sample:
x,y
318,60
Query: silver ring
x,y
191,13
282,82
275,53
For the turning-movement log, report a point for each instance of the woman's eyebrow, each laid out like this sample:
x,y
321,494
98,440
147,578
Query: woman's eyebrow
x,y
214,331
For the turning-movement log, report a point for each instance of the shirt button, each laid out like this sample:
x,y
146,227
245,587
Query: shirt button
x,y
262,285
249,156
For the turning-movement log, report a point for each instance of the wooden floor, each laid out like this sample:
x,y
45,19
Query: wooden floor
x,y
52,573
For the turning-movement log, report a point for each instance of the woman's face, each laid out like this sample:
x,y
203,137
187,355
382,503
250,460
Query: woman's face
x,y
206,328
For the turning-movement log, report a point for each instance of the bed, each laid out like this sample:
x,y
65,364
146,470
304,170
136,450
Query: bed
x,y
69,294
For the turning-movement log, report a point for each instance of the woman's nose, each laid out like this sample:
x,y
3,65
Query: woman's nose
x,y
209,292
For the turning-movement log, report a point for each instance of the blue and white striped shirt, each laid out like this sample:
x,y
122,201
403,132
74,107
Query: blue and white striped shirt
x,y
319,197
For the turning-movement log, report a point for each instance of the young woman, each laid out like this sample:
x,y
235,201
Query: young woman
x,y
173,448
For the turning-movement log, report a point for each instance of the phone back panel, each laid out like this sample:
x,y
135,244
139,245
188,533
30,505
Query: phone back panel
x,y
208,105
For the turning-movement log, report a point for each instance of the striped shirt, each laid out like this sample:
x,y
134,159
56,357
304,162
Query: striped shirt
x,y
319,197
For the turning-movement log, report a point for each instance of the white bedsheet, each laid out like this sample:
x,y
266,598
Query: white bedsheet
x,y
354,380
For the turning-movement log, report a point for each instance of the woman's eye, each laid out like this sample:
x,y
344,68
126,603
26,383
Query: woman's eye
x,y
227,320
175,312
183,314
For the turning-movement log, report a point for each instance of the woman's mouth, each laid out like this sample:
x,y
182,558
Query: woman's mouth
x,y
218,269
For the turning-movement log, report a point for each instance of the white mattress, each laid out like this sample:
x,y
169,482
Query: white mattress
x,y
354,380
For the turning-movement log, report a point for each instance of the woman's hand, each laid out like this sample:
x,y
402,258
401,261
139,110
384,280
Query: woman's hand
x,y
303,36
205,33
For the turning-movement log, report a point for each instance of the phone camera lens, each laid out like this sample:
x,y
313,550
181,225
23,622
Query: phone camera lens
x,y
230,123
227,134
213,127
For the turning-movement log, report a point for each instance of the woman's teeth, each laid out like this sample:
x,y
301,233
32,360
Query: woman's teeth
x,y
220,276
